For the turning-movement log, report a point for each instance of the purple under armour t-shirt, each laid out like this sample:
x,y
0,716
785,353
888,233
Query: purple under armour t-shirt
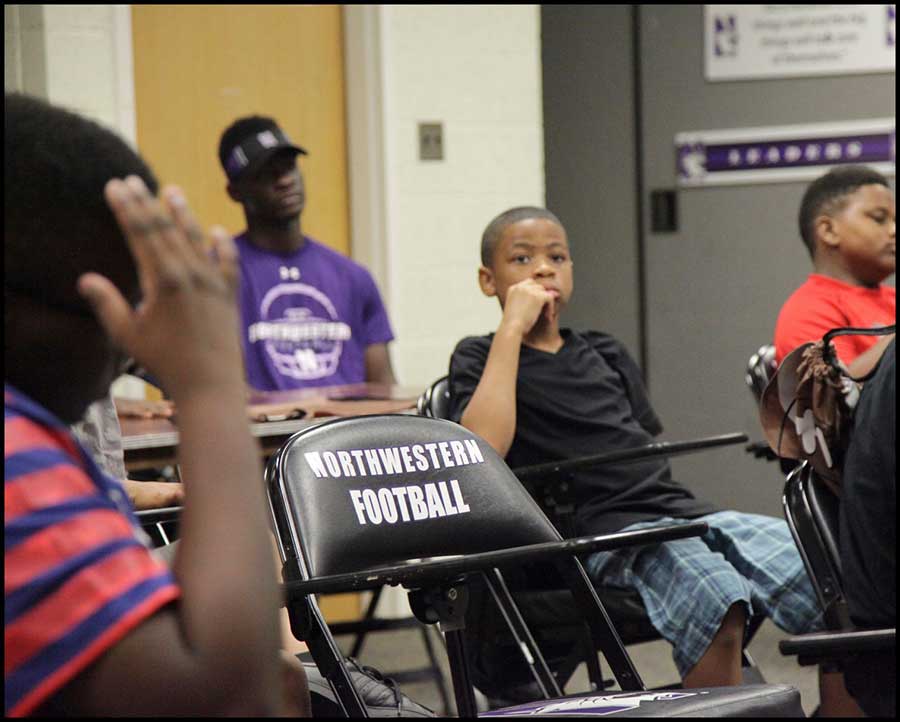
x,y
307,316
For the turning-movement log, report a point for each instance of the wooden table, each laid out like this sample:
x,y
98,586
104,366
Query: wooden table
x,y
153,443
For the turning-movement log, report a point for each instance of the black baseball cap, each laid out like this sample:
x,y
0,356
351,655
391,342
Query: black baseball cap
x,y
254,149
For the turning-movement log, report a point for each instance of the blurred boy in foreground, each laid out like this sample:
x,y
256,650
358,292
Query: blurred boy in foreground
x,y
98,270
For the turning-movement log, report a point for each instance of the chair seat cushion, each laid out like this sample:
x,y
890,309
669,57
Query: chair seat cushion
x,y
756,700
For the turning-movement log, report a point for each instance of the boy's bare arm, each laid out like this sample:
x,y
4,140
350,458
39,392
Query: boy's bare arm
x,y
491,412
216,651
869,358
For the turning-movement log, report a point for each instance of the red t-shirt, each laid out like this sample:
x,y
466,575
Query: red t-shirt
x,y
77,575
824,303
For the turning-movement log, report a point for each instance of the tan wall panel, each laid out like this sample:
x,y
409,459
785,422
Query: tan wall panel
x,y
197,68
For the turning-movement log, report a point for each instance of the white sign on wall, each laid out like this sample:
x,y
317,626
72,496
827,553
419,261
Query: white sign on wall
x,y
783,41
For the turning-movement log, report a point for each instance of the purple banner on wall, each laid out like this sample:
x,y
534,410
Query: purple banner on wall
x,y
781,154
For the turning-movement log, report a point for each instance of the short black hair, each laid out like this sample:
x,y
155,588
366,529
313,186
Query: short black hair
x,y
241,129
56,223
828,193
491,236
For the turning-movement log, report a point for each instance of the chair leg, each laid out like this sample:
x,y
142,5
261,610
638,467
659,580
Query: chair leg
x,y
603,632
370,613
466,705
595,673
537,665
305,614
436,669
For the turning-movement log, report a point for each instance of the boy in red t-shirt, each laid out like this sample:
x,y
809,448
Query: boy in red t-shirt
x,y
847,223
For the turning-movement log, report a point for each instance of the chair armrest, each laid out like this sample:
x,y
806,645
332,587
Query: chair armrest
x,y
812,648
416,572
158,516
761,450
638,453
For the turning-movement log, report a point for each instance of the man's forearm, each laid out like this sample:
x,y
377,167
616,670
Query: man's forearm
x,y
378,364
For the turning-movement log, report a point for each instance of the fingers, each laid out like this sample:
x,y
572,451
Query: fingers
x,y
122,203
551,309
110,307
226,255
152,224
143,408
224,252
184,218
536,291
165,237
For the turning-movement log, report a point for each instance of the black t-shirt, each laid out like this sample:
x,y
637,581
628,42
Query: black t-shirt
x,y
585,399
868,509
868,534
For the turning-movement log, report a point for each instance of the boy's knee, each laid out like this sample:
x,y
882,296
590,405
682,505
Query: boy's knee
x,y
731,629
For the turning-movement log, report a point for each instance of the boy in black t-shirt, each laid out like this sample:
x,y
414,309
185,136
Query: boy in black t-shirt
x,y
538,393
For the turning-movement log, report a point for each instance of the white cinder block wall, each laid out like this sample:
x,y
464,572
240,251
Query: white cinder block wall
x,y
79,57
476,69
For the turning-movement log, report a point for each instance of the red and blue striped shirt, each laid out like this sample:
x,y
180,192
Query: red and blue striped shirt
x,y
78,575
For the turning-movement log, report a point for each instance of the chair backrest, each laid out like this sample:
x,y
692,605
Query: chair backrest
x,y
760,369
369,491
435,400
811,511
824,505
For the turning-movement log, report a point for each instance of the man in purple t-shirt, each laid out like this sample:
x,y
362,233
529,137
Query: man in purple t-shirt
x,y
310,316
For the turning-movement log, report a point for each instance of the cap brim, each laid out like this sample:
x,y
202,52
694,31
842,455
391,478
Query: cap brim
x,y
267,155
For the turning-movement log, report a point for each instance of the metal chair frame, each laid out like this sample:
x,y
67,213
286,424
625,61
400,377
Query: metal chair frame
x,y
438,592
550,485
811,512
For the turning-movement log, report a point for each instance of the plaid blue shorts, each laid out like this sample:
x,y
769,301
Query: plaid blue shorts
x,y
688,585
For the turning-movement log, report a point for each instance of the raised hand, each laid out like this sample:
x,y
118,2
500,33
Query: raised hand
x,y
184,330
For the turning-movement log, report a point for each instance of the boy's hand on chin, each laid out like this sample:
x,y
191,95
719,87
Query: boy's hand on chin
x,y
526,301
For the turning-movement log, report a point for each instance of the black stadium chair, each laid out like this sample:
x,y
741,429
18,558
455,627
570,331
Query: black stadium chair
x,y
811,511
760,369
500,670
435,400
161,525
362,502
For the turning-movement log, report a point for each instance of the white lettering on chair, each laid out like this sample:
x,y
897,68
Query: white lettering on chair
x,y
400,504
394,459
431,500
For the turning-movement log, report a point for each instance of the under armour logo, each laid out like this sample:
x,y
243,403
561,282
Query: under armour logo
x,y
291,273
